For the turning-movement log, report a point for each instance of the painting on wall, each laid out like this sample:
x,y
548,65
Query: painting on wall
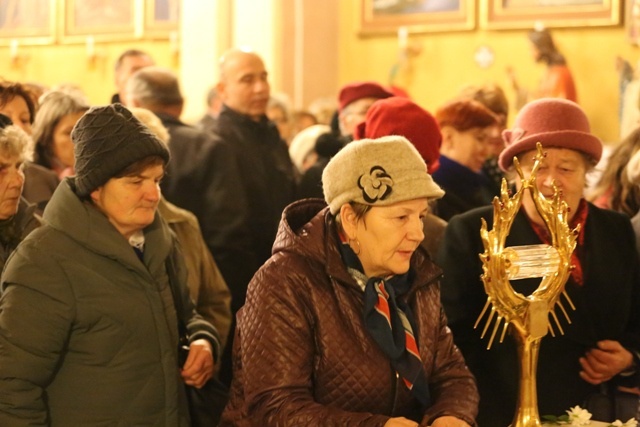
x,y
102,19
511,14
161,17
387,16
27,21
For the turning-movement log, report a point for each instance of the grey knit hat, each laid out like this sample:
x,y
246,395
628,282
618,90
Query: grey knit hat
x,y
107,140
377,172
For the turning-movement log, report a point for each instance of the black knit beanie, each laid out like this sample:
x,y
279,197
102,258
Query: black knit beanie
x,y
107,140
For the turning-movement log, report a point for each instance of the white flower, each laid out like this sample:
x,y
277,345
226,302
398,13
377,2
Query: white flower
x,y
630,423
578,416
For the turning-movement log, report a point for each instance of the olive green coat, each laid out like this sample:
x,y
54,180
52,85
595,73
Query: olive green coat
x,y
88,332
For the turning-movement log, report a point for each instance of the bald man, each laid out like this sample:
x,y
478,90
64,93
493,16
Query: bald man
x,y
266,171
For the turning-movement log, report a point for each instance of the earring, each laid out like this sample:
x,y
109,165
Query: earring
x,y
357,252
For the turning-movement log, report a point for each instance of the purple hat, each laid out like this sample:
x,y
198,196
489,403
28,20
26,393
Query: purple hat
x,y
553,122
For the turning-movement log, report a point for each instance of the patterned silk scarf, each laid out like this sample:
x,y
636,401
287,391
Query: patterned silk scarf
x,y
579,218
389,321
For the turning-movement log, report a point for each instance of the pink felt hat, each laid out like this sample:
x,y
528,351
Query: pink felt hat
x,y
553,122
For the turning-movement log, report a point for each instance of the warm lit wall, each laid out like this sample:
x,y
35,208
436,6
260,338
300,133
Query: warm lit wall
x,y
446,63
53,65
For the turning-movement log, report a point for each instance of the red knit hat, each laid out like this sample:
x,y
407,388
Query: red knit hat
x,y
358,90
401,116
553,122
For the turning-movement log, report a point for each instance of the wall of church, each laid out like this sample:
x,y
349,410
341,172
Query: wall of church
x,y
446,63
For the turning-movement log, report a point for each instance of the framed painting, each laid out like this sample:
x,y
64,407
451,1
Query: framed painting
x,y
161,17
418,16
511,14
100,19
27,22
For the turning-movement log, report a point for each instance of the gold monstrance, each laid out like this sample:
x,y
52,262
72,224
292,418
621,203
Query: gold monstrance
x,y
528,316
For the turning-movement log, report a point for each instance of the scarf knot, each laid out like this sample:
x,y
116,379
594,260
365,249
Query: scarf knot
x,y
390,322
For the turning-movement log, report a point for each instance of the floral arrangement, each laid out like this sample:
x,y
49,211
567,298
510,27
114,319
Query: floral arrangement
x,y
577,417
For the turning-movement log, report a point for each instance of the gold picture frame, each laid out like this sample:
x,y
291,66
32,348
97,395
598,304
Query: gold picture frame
x,y
161,17
418,16
27,22
520,14
102,20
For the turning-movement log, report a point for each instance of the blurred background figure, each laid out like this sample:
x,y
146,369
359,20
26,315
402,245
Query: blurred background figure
x,y
303,147
326,146
323,109
614,190
633,176
466,127
493,97
557,81
128,63
279,113
300,120
17,216
214,104
58,114
17,103
354,101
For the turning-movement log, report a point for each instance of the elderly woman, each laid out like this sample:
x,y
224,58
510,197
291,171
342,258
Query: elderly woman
x,y
17,103
600,343
58,113
88,329
343,325
17,216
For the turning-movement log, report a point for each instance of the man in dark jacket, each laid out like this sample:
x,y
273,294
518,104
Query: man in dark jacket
x,y
266,171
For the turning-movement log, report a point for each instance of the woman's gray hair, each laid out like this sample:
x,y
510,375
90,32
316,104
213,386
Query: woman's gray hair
x,y
15,142
54,106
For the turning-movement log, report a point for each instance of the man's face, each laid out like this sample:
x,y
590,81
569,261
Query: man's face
x,y
130,202
244,86
129,65
11,182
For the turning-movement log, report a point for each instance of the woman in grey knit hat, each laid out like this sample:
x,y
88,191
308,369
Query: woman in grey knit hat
x,y
88,323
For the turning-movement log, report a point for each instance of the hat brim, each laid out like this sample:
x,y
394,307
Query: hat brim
x,y
570,139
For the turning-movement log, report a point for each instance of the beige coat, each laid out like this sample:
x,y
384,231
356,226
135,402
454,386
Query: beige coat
x,y
207,287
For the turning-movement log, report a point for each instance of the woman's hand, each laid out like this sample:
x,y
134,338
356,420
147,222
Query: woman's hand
x,y
400,422
604,362
199,365
449,421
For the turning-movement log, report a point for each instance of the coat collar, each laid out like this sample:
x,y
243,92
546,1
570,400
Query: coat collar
x,y
308,228
90,228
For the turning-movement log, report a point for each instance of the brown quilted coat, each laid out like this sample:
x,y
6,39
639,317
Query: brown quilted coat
x,y
302,356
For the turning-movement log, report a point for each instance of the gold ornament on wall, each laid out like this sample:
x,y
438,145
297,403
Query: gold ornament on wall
x,y
526,317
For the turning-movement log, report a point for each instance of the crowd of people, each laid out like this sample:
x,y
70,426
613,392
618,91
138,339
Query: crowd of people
x,y
323,266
